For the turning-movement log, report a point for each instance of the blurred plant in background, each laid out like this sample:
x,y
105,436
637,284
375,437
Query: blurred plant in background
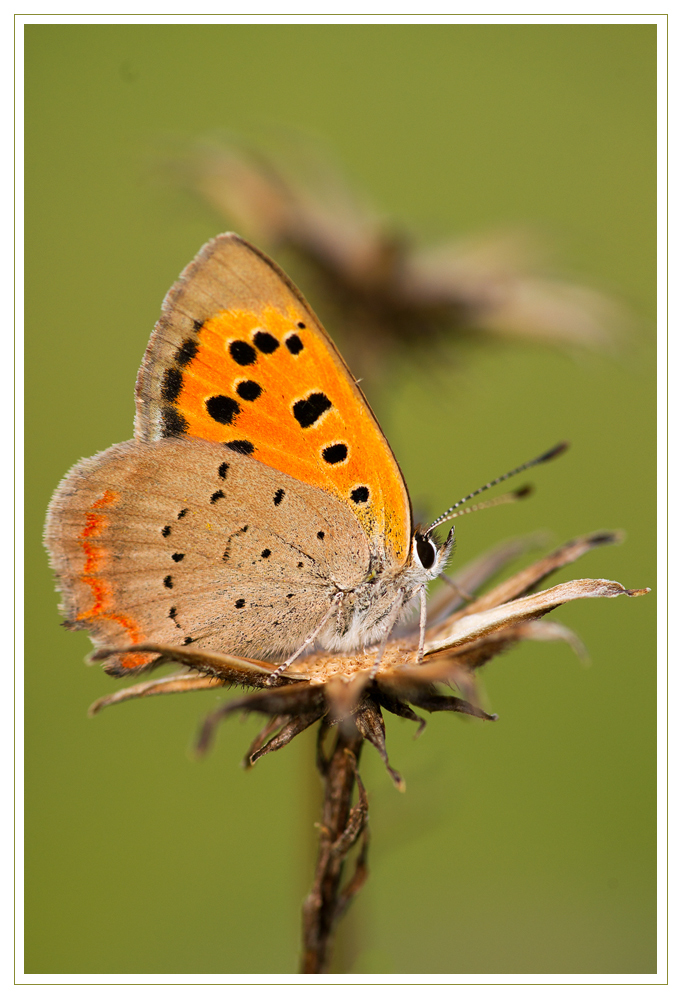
x,y
384,289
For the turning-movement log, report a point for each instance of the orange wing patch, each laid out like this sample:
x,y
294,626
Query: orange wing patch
x,y
103,599
267,385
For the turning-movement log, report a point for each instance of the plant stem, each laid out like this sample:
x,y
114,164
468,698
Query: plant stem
x,y
341,826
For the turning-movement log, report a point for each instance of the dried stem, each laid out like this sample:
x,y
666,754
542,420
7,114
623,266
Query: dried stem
x,y
342,824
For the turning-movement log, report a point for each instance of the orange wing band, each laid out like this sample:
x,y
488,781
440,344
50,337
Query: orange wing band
x,y
103,598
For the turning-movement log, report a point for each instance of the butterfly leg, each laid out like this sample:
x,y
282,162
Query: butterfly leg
x,y
336,601
423,624
394,612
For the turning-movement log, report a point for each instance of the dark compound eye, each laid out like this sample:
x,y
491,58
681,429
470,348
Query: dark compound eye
x,y
242,352
426,551
266,342
222,409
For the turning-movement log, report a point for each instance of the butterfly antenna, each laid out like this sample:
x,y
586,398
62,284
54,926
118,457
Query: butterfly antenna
x,y
545,457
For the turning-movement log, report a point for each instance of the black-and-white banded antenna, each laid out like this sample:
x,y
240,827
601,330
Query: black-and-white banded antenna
x,y
545,457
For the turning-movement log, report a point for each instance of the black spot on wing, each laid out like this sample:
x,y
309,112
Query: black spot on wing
x,y
168,582
183,512
265,553
197,324
249,390
242,352
188,348
166,531
222,469
335,453
302,326
171,384
178,556
278,498
266,342
293,343
240,603
222,409
321,535
307,411
360,494
241,447
173,424
218,495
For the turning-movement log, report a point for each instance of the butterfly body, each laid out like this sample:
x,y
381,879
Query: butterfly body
x,y
259,510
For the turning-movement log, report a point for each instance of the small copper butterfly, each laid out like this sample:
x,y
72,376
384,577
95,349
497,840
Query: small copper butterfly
x,y
259,509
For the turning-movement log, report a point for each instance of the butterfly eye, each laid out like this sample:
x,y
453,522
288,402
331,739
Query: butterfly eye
x,y
425,550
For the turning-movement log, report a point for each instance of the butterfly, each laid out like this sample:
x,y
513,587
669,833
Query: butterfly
x,y
259,509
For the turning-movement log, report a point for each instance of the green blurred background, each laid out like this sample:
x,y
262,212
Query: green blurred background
x,y
527,846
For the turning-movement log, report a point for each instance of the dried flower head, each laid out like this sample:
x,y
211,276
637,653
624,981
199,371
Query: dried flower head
x,y
348,692
339,689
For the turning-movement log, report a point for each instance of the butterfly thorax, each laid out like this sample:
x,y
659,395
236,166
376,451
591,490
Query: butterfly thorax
x,y
368,611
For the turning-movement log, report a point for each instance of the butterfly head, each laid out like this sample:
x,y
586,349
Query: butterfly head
x,y
428,557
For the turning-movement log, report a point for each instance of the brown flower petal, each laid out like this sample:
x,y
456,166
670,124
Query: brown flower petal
x,y
387,700
464,629
476,573
531,576
234,669
290,729
370,725
294,700
175,684
549,631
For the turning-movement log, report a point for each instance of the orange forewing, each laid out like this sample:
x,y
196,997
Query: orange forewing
x,y
199,383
